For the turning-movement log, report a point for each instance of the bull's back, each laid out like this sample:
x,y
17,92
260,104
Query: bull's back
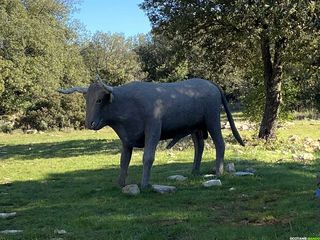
x,y
180,107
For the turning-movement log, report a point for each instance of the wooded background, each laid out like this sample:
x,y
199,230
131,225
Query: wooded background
x,y
264,54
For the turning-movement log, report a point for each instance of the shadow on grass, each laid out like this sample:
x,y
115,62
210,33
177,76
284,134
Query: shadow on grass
x,y
63,149
276,203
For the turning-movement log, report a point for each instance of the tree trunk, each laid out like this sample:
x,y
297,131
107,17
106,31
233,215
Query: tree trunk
x,y
272,84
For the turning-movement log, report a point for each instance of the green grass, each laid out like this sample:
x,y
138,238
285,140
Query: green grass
x,y
67,181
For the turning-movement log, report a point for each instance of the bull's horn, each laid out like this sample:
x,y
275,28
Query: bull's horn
x,y
72,90
98,78
107,88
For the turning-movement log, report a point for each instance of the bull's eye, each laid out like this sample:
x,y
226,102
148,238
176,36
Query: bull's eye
x,y
99,101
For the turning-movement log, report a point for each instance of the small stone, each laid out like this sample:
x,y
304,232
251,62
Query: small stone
x,y
251,170
293,138
7,215
163,189
244,127
11,231
308,140
177,178
206,176
243,173
31,131
60,231
232,189
303,156
131,189
230,168
308,156
213,182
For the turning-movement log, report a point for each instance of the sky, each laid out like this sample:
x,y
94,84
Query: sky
x,y
114,16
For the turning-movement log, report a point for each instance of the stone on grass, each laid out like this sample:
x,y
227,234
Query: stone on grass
x,y
303,156
7,215
244,127
230,168
293,138
131,189
11,231
252,170
243,173
60,231
163,189
213,182
209,176
177,178
232,189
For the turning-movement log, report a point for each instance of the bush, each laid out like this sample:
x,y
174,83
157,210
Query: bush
x,y
55,113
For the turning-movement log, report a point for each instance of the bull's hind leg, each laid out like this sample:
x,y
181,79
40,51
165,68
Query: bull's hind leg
x,y
197,138
214,128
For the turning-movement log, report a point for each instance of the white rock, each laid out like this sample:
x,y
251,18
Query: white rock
x,y
252,170
213,182
209,176
31,131
131,189
303,156
243,173
7,215
293,138
11,231
177,178
163,189
230,168
244,127
60,231
232,189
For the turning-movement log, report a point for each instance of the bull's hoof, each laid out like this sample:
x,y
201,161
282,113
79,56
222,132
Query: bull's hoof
x,y
121,183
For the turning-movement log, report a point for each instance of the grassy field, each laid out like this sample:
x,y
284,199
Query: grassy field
x,y
60,180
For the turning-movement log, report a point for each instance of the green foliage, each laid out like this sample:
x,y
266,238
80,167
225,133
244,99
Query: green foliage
x,y
38,54
57,112
113,58
222,40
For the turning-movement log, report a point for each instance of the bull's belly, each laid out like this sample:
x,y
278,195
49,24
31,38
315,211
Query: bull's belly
x,y
169,133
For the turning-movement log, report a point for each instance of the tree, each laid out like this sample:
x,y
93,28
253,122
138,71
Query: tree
x,y
38,54
113,58
243,33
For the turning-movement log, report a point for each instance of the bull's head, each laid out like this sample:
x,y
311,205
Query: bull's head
x,y
98,95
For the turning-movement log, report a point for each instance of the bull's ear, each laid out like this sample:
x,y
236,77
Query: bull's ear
x,y
83,90
107,89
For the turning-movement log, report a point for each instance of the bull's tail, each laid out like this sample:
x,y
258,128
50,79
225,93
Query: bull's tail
x,y
230,118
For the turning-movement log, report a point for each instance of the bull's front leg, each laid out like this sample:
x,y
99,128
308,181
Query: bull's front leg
x,y
152,136
124,164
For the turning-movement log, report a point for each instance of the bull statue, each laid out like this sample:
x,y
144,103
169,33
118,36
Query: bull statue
x,y
143,113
